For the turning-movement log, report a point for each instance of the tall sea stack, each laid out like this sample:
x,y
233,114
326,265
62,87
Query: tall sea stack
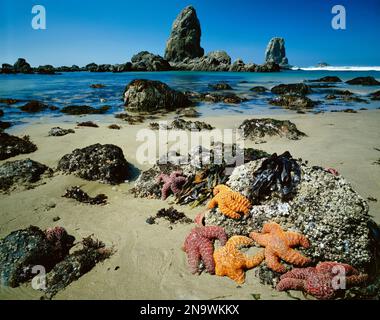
x,y
185,38
275,52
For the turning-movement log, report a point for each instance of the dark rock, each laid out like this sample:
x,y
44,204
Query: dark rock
x,y
221,86
23,249
47,69
11,146
275,52
76,265
213,61
266,67
146,61
79,110
7,68
259,128
105,163
78,194
327,79
229,98
73,68
58,132
238,66
33,106
293,102
92,67
330,97
1,112
114,127
87,124
97,86
375,95
9,101
185,38
293,88
188,113
5,125
125,67
148,95
21,66
259,89
21,173
364,81
180,124
130,119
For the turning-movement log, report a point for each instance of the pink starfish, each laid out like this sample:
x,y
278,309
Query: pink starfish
x,y
200,218
333,171
321,281
174,182
199,246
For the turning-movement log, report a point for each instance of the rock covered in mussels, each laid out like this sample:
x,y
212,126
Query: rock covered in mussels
x,y
149,95
11,146
24,249
323,207
21,173
259,128
185,38
105,163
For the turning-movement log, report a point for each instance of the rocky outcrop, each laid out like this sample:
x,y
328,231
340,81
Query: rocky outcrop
x,y
146,61
328,79
148,95
213,61
364,81
105,163
21,66
185,38
254,129
292,88
11,146
47,69
276,52
23,173
293,102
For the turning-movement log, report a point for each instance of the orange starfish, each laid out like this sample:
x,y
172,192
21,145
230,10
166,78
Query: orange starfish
x,y
278,245
230,262
229,202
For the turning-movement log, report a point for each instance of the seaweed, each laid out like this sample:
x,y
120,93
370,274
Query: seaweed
x,y
78,194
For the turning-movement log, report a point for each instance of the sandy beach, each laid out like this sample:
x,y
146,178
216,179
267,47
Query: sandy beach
x,y
148,262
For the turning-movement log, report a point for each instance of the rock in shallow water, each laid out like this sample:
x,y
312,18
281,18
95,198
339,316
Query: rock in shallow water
x,y
292,88
11,146
148,95
21,173
293,102
364,81
324,208
105,163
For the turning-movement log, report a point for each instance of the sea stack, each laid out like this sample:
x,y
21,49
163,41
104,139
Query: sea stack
x,y
185,38
275,52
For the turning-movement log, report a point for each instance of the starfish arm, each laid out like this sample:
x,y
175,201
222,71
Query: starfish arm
x,y
236,205
193,259
241,202
177,184
294,257
239,241
238,276
215,232
206,250
254,261
298,273
291,284
213,203
295,239
328,267
356,280
273,262
261,239
271,227
228,212
165,191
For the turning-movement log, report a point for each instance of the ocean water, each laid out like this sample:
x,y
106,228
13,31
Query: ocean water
x,y
74,88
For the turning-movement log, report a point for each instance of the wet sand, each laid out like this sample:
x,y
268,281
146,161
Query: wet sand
x,y
150,260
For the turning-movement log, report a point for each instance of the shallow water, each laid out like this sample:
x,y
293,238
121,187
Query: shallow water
x,y
74,88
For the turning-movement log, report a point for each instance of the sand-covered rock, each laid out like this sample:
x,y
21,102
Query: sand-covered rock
x,y
323,207
254,129
105,163
23,173
148,95
185,38
11,146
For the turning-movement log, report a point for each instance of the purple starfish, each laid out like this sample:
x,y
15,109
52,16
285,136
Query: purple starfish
x,y
174,182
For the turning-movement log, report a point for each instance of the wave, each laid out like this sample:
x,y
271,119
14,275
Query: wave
x,y
339,68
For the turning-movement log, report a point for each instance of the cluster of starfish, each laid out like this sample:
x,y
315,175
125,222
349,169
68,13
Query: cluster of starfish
x,y
230,203
173,182
323,281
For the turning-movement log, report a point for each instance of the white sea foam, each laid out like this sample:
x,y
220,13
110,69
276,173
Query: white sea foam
x,y
339,68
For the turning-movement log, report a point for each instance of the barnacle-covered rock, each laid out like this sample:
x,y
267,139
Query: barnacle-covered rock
x,y
105,163
11,146
323,207
21,173
58,132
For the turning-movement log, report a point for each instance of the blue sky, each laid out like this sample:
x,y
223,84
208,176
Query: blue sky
x,y
80,32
